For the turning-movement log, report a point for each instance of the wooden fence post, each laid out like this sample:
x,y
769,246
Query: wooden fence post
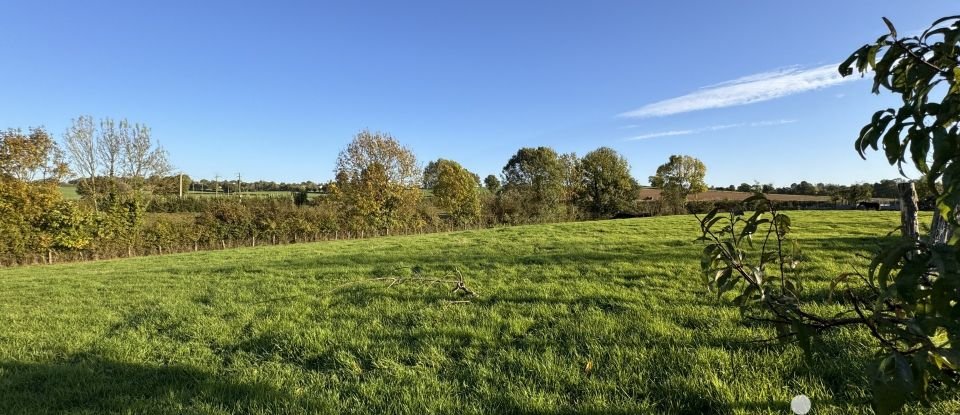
x,y
909,227
940,229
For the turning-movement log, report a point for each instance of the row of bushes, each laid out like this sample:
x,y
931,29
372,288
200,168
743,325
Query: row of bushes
x,y
145,225
131,225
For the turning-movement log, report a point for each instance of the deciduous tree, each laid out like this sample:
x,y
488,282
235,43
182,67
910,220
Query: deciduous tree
x,y
456,191
142,157
492,183
30,174
81,143
533,179
30,157
858,193
430,174
606,184
678,178
125,153
378,182
110,146
572,176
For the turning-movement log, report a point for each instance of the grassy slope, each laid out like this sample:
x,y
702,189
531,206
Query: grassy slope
x,y
69,192
258,331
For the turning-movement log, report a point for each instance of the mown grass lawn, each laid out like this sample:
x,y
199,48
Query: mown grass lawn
x,y
263,330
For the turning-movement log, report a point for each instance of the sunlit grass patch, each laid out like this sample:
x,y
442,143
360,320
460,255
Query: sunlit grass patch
x,y
267,330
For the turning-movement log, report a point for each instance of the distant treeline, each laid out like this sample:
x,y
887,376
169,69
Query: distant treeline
x,y
885,189
131,205
231,186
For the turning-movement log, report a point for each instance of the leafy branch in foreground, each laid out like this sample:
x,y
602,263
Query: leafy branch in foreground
x,y
915,284
923,70
907,300
767,274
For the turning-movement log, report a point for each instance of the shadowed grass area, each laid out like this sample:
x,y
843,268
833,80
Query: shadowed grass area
x,y
263,330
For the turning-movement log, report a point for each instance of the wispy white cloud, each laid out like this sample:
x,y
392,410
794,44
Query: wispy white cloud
x,y
762,76
662,134
771,122
709,129
745,90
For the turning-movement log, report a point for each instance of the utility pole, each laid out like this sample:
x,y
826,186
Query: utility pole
x,y
181,185
216,185
239,194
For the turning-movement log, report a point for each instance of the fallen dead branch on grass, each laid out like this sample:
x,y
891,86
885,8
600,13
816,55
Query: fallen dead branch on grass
x,y
459,284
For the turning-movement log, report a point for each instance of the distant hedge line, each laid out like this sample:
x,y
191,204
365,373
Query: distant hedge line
x,y
131,225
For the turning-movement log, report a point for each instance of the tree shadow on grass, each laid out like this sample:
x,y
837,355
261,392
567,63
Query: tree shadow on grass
x,y
84,384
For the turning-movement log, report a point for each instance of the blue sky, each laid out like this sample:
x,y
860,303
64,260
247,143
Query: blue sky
x,y
274,90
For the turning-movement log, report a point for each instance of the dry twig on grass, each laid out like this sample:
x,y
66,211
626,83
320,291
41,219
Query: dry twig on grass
x,y
459,283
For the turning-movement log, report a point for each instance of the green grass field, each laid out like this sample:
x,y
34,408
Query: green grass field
x,y
263,330
69,192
